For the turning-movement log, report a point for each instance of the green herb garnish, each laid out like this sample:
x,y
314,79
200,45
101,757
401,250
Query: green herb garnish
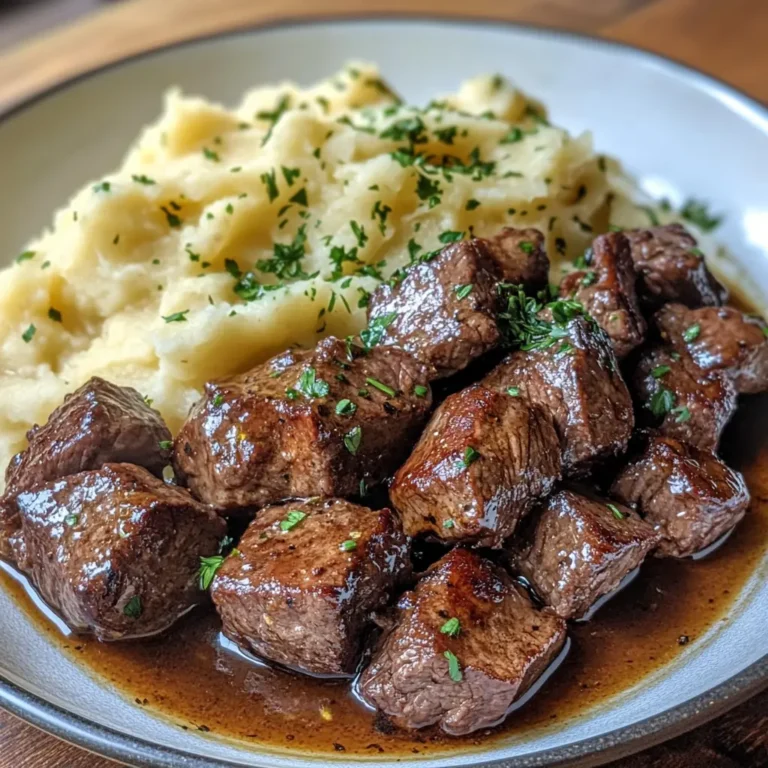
x,y
292,519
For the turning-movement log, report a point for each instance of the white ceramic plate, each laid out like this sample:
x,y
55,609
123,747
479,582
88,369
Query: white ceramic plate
x,y
679,131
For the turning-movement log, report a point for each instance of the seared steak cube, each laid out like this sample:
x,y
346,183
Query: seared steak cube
x,y
96,424
577,549
720,339
443,311
482,461
115,550
519,257
300,588
680,399
689,495
307,423
576,381
607,291
672,268
463,646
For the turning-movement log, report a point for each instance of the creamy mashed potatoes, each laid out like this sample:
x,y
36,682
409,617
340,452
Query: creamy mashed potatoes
x,y
229,235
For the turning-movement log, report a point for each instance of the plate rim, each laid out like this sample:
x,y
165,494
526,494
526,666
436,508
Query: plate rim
x,y
103,740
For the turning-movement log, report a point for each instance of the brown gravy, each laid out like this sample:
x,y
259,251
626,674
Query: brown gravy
x,y
188,677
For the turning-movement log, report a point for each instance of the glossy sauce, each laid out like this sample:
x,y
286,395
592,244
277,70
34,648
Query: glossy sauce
x,y
188,675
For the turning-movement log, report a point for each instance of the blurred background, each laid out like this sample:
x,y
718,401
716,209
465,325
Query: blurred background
x,y
21,19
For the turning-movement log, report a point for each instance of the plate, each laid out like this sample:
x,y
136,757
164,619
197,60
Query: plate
x,y
678,131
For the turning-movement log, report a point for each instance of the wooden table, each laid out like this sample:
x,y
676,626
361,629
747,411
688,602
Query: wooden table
x,y
726,38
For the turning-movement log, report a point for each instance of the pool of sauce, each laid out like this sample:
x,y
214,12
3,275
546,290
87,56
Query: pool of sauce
x,y
188,676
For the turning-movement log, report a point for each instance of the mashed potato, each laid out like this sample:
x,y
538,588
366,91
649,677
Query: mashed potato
x,y
229,235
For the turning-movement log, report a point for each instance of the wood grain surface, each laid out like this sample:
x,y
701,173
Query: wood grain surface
x,y
726,38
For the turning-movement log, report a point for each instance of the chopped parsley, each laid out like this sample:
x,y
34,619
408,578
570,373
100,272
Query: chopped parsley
x,y
176,317
454,668
450,236
102,186
374,333
381,212
446,135
526,246
348,546
29,334
696,211
617,513
660,370
209,154
513,391
339,254
471,204
662,402
133,608
681,414
420,390
269,180
287,257
25,256
345,407
589,279
359,233
71,520
470,456
352,439
274,116
292,519
381,387
462,291
448,523
290,174
428,190
142,179
208,568
54,315
300,198
172,219
452,627
310,386
691,333
514,135
166,445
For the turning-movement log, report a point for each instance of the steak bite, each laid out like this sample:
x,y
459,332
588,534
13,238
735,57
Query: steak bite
x,y
672,268
462,647
115,550
720,339
689,495
301,586
95,425
607,291
482,461
306,423
573,376
520,257
681,400
577,549
443,311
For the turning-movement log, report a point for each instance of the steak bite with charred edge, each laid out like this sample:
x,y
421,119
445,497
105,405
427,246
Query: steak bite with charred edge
x,y
462,647
607,291
567,367
115,551
719,339
97,424
672,268
306,423
576,549
443,311
679,399
689,495
482,461
300,588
